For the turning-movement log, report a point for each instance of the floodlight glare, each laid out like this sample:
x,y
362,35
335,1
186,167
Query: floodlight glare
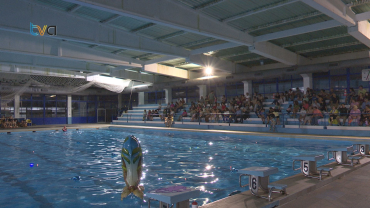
x,y
208,70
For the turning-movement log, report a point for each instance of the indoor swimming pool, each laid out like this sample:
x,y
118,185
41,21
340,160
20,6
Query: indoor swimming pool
x,y
82,168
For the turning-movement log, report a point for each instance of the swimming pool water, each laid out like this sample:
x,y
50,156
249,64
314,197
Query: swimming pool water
x,y
196,160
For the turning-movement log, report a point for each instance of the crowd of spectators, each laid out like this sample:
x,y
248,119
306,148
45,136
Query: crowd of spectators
x,y
10,122
307,107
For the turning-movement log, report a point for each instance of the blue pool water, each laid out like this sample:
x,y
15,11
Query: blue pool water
x,y
195,160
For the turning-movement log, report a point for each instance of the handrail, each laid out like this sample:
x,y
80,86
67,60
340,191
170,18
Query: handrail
x,y
300,167
332,155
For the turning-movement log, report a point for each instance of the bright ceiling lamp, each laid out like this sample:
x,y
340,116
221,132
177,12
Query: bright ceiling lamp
x,y
208,70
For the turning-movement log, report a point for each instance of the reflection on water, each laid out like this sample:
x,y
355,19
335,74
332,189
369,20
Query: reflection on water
x,y
203,161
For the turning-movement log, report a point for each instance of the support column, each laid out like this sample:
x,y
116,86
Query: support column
x,y
141,98
120,101
307,81
17,103
168,94
202,91
69,109
248,87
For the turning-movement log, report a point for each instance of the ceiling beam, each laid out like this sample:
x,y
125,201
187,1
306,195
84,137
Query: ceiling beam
x,y
284,21
74,8
175,15
298,31
235,54
361,32
74,28
146,26
199,42
171,35
19,43
172,14
335,9
330,47
208,4
259,10
315,40
271,51
158,60
110,19
214,48
36,70
363,16
51,63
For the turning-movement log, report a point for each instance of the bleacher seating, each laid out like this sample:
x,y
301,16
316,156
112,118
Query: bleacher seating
x,y
287,121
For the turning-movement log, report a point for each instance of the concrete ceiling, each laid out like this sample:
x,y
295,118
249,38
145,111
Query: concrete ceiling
x,y
235,37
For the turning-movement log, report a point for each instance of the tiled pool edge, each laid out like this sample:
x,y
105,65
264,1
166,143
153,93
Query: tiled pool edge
x,y
239,132
298,185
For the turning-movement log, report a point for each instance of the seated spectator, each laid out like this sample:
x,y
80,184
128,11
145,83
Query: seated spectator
x,y
164,114
295,109
289,109
317,114
365,117
149,116
276,98
343,114
282,98
291,95
245,112
305,105
261,114
238,115
365,103
354,103
333,116
305,98
361,90
277,107
351,94
360,100
169,121
334,101
367,96
270,115
316,104
195,115
355,113
159,106
277,117
302,115
322,103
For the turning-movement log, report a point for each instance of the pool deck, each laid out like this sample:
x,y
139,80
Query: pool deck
x,y
88,126
347,187
56,127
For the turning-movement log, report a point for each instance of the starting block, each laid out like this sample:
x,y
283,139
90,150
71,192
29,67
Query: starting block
x,y
308,166
172,195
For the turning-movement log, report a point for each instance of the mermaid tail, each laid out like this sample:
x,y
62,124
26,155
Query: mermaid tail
x,y
139,193
125,192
